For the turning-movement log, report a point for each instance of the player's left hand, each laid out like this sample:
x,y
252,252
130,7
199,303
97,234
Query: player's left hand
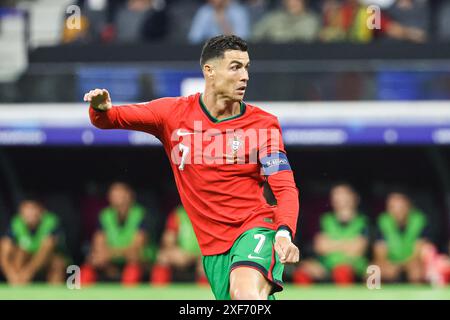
x,y
286,250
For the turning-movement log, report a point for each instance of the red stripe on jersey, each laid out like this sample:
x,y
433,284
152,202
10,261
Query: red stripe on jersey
x,y
272,264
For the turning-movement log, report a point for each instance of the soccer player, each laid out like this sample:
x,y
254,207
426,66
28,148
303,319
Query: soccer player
x,y
401,239
120,243
33,246
341,243
179,249
222,150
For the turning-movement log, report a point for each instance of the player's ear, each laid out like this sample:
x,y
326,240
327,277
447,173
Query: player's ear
x,y
208,70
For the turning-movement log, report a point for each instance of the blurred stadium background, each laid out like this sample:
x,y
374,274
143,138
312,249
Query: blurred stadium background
x,y
369,108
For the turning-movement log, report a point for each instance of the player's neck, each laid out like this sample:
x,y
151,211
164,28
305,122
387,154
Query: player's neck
x,y
220,107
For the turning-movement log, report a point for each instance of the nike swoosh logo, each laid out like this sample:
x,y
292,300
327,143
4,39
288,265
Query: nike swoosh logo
x,y
183,133
250,256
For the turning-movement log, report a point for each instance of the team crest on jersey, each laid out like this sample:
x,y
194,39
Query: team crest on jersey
x,y
235,145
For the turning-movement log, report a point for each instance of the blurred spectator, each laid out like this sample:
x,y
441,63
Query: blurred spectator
x,y
344,21
294,22
219,17
342,242
256,9
179,249
401,238
407,20
33,247
121,241
101,15
332,22
444,21
142,20
182,12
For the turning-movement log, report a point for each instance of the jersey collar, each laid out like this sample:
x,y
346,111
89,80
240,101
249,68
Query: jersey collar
x,y
215,120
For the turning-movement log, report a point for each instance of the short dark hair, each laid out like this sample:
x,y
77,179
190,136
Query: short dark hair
x,y
399,189
216,47
344,184
31,196
121,183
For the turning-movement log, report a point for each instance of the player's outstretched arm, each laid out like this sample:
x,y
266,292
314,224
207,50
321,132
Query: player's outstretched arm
x,y
38,260
147,116
6,264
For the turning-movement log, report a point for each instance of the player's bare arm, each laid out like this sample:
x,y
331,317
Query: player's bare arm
x,y
38,260
133,252
324,245
5,259
356,247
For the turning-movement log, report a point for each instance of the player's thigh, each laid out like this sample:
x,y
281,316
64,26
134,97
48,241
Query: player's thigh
x,y
415,271
56,269
180,258
314,268
20,257
390,271
57,263
248,284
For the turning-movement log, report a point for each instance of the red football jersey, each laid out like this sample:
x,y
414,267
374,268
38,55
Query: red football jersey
x,y
217,164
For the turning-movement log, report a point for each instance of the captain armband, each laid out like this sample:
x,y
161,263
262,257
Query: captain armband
x,y
274,163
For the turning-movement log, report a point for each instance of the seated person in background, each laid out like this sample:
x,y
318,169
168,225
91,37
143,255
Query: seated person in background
x,y
345,21
217,17
341,244
120,242
401,239
142,20
406,20
31,248
294,22
179,249
256,9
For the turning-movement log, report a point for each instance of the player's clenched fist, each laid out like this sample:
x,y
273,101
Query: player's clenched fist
x,y
286,250
99,99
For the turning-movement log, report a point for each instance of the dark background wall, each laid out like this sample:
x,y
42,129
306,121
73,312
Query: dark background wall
x,y
73,183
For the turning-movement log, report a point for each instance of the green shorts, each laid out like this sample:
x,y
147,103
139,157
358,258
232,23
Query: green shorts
x,y
253,249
